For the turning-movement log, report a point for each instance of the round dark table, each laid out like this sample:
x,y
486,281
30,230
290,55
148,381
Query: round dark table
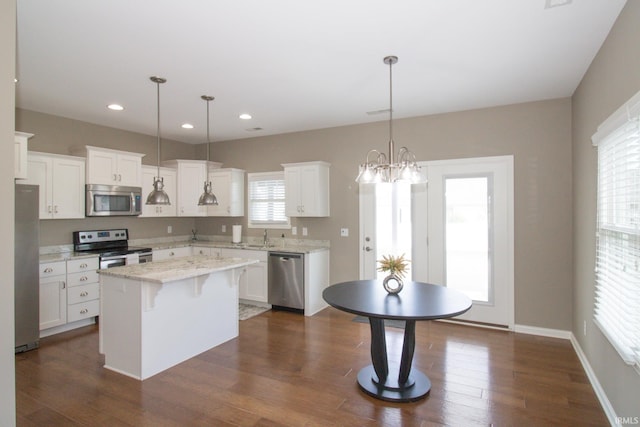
x,y
416,301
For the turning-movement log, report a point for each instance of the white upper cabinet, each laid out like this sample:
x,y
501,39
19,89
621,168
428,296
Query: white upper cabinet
x,y
228,186
113,167
190,185
307,189
20,155
169,177
61,182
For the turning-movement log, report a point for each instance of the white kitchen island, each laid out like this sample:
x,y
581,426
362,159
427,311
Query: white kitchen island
x,y
156,315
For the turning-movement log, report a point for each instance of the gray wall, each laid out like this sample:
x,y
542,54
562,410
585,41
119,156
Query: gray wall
x,y
537,134
7,106
60,135
613,78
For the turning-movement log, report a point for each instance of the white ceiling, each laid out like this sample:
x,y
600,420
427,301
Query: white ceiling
x,y
297,64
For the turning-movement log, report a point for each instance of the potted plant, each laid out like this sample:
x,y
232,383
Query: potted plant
x,y
397,268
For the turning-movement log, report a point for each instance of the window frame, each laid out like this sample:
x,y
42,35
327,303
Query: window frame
x,y
617,280
266,176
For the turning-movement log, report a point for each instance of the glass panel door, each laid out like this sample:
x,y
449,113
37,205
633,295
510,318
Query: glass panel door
x,y
467,243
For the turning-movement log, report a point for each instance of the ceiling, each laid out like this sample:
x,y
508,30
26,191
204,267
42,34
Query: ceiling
x,y
297,65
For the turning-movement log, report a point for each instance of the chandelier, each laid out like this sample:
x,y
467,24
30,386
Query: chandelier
x,y
380,167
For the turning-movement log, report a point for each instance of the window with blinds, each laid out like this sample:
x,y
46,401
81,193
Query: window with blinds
x,y
617,298
267,200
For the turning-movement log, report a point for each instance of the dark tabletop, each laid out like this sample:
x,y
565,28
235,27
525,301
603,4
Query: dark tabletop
x,y
417,301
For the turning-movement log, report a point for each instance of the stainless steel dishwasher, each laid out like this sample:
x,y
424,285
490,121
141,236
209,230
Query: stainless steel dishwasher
x,y
286,281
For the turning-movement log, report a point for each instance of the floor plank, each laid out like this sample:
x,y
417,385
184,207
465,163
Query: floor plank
x,y
289,370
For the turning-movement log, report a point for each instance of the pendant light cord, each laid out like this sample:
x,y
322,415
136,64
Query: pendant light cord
x,y
158,123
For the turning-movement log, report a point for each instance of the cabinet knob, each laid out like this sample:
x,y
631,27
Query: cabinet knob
x,y
171,254
48,270
84,293
84,279
83,265
84,311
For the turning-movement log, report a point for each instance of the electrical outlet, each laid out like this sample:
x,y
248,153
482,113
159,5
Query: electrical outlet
x,y
294,230
224,228
304,231
169,229
344,232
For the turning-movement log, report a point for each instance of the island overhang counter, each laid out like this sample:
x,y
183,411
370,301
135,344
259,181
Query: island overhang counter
x,y
156,315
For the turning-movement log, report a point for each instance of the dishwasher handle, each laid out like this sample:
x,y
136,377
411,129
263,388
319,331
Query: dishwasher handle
x,y
285,256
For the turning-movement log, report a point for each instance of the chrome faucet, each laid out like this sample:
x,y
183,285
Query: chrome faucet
x,y
265,241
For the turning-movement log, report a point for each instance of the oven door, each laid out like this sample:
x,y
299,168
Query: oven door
x,y
113,261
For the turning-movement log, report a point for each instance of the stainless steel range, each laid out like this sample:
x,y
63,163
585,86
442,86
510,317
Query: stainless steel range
x,y
112,246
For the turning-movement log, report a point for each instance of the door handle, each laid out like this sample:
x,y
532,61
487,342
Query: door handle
x,y
368,249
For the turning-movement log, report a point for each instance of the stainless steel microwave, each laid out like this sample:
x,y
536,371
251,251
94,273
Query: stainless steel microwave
x,y
113,200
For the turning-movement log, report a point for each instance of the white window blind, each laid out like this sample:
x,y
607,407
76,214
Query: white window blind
x,y
267,200
617,299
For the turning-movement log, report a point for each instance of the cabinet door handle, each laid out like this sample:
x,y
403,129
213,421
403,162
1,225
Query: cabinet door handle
x,y
49,209
171,254
84,293
84,279
55,209
83,265
84,311
119,177
115,177
48,270
64,284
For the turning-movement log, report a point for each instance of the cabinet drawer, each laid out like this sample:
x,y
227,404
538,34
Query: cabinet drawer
x,y
56,268
83,310
83,264
260,255
83,293
77,279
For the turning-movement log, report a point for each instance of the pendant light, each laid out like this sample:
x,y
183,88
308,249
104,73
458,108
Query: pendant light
x,y
384,168
158,195
208,198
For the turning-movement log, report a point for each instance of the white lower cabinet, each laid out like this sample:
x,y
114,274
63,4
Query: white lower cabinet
x,y
160,254
53,294
254,282
69,292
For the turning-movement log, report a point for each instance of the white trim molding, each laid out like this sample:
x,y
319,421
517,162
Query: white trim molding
x,y
543,332
595,384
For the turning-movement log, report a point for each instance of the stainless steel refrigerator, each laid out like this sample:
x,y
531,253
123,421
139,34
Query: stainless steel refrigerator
x,y
26,271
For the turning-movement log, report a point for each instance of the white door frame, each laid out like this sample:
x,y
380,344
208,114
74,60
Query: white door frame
x,y
427,240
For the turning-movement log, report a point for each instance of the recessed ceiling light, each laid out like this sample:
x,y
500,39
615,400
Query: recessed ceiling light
x,y
245,116
187,126
115,107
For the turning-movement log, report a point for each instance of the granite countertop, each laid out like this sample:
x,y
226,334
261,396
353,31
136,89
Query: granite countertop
x,y
64,256
176,269
272,247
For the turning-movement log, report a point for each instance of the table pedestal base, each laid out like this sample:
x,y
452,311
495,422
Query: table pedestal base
x,y
416,387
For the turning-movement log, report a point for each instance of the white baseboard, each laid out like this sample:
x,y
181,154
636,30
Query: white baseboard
x,y
595,384
543,332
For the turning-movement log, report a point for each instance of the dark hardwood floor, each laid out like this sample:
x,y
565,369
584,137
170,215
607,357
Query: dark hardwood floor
x,y
285,369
